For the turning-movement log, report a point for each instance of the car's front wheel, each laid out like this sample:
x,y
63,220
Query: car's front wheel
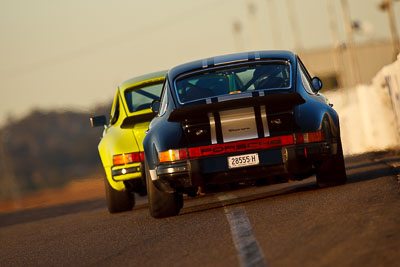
x,y
162,204
118,201
332,172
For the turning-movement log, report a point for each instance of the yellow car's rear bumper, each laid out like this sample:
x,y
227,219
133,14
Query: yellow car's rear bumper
x,y
126,172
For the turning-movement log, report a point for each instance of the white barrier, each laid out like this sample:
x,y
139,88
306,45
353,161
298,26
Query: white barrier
x,y
389,77
370,114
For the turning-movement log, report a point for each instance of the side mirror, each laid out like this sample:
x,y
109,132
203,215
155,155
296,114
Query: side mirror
x,y
317,83
98,121
155,106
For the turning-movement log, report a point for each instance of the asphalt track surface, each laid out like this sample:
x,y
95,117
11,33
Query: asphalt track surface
x,y
291,224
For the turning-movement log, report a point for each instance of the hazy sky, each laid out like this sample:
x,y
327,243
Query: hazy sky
x,y
73,54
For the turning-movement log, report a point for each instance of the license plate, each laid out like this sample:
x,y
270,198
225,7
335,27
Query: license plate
x,y
243,160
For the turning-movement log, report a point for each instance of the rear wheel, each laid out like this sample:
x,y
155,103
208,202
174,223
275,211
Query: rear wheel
x,y
332,172
118,201
162,204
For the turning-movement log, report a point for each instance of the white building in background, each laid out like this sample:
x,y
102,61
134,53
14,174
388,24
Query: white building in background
x,y
370,58
370,110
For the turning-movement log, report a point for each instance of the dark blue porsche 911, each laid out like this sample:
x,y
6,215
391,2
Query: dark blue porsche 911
x,y
245,118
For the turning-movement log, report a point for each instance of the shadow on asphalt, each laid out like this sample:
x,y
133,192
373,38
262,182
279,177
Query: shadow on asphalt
x,y
370,174
248,198
373,155
36,214
371,166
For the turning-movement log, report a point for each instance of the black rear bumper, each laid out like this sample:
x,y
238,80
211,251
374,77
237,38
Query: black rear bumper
x,y
290,161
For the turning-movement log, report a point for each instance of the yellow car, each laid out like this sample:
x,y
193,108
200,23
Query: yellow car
x,y
121,148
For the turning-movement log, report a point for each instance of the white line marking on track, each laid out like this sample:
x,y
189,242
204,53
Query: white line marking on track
x,y
246,245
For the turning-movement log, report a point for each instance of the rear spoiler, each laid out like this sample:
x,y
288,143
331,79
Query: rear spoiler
x,y
129,122
273,103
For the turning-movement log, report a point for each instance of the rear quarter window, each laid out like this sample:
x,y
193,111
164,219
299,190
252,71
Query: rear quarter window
x,y
305,79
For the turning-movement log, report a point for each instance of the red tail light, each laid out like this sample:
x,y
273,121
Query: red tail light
x,y
312,137
173,155
128,158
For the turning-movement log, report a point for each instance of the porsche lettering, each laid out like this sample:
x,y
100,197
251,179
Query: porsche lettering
x,y
233,148
239,146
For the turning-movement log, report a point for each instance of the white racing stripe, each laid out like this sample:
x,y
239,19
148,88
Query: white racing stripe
x,y
204,63
246,245
213,131
264,121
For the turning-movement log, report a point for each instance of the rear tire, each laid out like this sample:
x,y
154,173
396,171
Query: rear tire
x,y
162,204
118,201
332,172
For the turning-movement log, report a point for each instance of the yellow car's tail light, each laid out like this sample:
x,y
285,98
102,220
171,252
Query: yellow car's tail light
x,y
128,158
173,155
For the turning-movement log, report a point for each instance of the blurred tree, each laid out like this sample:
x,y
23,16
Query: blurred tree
x,y
48,149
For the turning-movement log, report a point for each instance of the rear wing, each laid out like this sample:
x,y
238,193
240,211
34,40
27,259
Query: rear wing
x,y
273,103
130,122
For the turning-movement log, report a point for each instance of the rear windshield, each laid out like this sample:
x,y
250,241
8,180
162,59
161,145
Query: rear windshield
x,y
138,99
243,78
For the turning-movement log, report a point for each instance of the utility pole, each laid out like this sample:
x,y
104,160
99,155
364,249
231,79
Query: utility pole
x,y
387,5
298,44
276,36
237,35
348,25
255,35
336,43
